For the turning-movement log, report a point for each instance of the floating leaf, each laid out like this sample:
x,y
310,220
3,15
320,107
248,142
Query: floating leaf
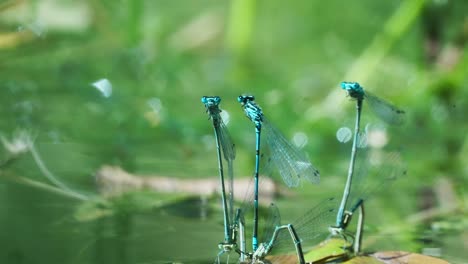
x,y
363,260
92,210
135,201
331,249
402,257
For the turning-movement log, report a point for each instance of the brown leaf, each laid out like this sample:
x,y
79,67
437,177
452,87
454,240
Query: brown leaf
x,y
402,257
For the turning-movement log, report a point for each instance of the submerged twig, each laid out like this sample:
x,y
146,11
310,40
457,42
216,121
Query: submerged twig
x,y
43,186
22,143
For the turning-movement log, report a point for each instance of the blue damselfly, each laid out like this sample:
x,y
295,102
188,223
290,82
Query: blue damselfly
x,y
291,163
225,148
389,114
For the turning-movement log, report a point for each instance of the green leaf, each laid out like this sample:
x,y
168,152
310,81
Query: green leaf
x,y
331,249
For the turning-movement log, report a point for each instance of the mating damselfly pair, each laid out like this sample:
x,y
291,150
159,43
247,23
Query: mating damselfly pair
x,y
274,153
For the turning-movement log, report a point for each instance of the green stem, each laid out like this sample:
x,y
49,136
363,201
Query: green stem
x,y
392,31
240,26
135,13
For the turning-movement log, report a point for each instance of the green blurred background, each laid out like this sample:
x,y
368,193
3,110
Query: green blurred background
x,y
90,83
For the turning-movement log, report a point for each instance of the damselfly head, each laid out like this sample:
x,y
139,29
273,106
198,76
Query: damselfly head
x,y
354,89
350,86
211,100
243,99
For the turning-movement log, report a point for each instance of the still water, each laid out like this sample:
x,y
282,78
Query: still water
x,y
43,227
39,227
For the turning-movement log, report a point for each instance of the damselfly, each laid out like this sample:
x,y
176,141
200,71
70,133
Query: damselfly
x,y
225,148
292,164
389,114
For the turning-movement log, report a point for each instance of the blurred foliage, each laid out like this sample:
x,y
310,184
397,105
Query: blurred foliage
x,y
160,57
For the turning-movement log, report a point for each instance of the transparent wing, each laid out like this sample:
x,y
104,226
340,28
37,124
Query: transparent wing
x,y
266,224
229,150
386,111
291,163
229,153
247,203
273,220
375,170
311,228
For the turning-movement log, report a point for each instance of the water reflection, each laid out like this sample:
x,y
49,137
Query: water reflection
x,y
189,208
178,232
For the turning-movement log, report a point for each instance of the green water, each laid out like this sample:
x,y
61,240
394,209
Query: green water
x,y
43,228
